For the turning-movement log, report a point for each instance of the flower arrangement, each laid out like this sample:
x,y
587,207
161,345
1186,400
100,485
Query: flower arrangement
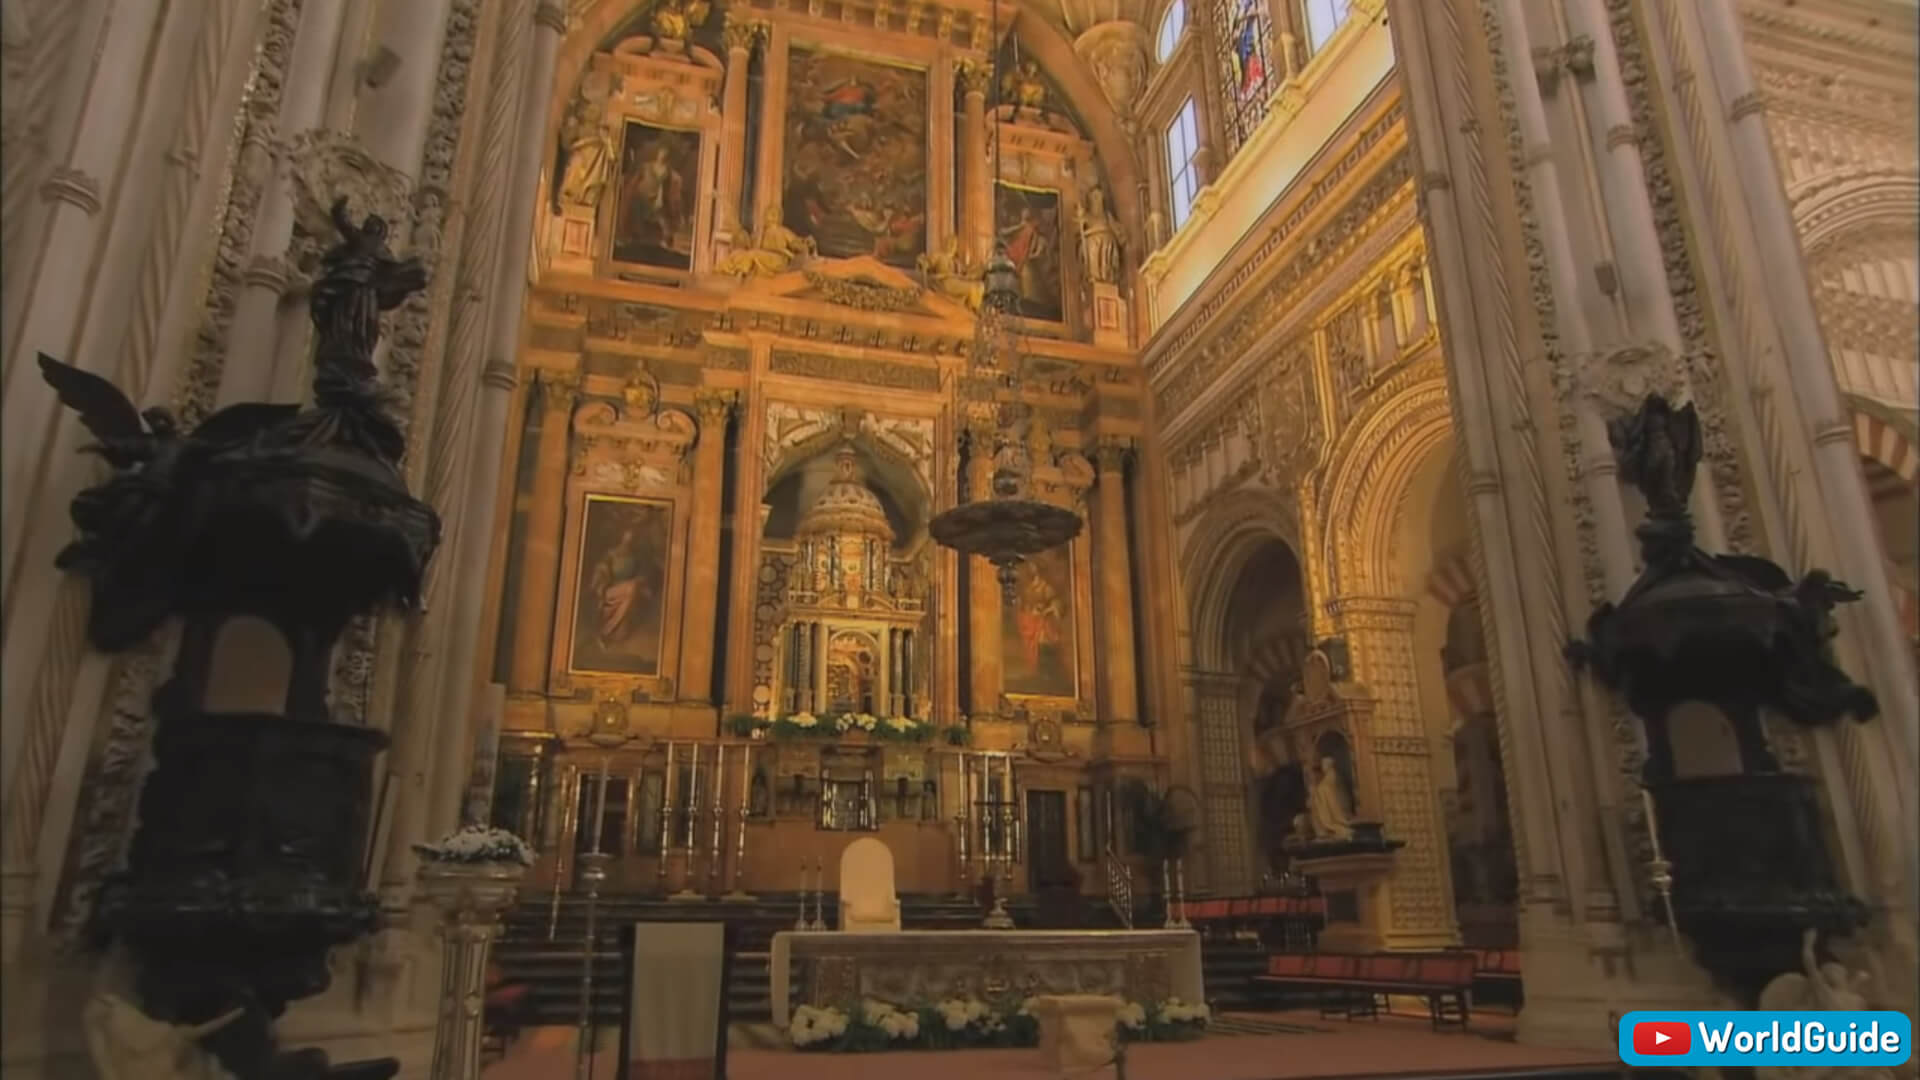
x,y
961,1022
805,725
477,844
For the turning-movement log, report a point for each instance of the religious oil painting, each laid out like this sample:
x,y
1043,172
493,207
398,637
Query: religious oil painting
x,y
655,200
621,586
856,157
1039,650
1029,229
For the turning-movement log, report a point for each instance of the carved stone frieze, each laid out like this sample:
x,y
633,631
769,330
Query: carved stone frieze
x,y
1620,380
618,450
892,375
324,165
792,428
864,295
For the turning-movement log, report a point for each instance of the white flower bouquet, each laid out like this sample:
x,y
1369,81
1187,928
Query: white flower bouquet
x,y
477,844
811,1026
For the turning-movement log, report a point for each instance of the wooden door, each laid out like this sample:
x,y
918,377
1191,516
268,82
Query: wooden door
x,y
1048,863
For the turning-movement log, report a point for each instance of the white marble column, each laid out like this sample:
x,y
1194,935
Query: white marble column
x,y
486,450
248,374
54,297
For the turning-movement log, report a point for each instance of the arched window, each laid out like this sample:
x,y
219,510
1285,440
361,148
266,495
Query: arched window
x,y
1246,63
1323,18
1173,26
1183,169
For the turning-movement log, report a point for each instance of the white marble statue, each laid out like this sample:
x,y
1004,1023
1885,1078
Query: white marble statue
x,y
1099,242
1327,806
127,1044
1830,987
590,155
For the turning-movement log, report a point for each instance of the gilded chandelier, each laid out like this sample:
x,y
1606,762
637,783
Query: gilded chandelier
x,y
1010,525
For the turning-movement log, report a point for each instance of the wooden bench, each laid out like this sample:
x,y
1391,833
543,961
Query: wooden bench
x,y
1496,977
1293,920
1356,985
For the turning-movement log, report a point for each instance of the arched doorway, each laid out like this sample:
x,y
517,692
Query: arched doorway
x,y
1266,639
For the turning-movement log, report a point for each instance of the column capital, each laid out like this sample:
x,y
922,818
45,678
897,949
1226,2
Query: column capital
x,y
973,74
551,15
740,34
73,187
1111,452
714,406
558,390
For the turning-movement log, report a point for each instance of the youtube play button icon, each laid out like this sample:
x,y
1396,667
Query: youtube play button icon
x,y
1662,1037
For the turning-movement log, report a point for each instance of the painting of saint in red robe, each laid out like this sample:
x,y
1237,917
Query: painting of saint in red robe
x,y
1039,648
1029,229
654,204
622,586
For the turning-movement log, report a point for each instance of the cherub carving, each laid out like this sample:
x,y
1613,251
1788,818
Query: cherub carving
x,y
1023,86
775,248
1658,448
359,279
127,1044
674,21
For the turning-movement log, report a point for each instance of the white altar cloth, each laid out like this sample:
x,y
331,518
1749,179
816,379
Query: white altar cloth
x,y
912,967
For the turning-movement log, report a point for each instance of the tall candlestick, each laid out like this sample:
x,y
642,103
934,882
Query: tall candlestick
x,y
819,893
600,803
746,805
719,814
1653,826
800,920
666,815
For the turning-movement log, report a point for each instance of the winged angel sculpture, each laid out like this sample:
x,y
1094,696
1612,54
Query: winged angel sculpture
x,y
1828,987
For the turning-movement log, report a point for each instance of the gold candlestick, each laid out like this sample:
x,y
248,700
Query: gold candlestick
x,y
740,847
1659,870
719,815
666,817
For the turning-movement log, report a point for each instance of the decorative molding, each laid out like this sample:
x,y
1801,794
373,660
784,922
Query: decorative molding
x,y
73,187
890,375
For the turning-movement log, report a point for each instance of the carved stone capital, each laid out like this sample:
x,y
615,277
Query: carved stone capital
x,y
551,15
1747,104
1620,380
1111,452
558,390
740,34
270,272
73,187
714,406
323,165
972,75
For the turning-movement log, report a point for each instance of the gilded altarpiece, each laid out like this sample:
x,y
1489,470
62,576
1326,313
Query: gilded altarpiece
x,y
638,157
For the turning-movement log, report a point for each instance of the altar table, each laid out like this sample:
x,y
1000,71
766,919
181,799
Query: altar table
x,y
914,967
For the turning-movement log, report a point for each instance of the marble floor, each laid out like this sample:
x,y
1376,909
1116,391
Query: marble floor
x,y
1306,1047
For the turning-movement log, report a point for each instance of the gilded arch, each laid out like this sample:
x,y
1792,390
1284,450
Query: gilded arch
x,y
1829,209
1367,481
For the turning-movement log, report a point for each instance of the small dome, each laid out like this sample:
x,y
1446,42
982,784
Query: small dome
x,y
847,505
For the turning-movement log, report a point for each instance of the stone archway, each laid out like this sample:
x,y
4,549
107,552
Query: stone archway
x,y
1246,610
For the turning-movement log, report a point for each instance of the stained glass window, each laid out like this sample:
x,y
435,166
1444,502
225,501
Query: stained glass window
x,y
1183,173
1323,18
1172,26
1246,63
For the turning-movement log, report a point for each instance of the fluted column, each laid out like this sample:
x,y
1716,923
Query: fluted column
x,y
497,392
703,545
740,36
983,586
49,305
976,180
471,897
1115,607
248,374
546,517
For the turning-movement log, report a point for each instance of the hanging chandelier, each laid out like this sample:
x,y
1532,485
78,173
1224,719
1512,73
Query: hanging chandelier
x,y
1009,526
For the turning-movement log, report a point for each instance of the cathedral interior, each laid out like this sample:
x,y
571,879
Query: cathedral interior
x,y
640,472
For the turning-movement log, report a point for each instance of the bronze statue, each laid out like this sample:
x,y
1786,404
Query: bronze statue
x,y
359,279
1658,449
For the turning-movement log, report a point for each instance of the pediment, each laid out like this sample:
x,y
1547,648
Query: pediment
x,y
862,283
